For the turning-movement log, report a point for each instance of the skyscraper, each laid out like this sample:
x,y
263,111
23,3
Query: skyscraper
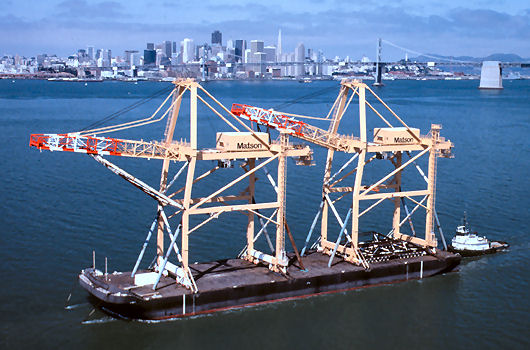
x,y
128,54
256,46
299,57
90,52
167,49
279,46
270,53
149,54
241,46
217,37
188,50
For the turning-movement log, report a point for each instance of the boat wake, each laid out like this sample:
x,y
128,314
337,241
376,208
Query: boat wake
x,y
106,319
75,306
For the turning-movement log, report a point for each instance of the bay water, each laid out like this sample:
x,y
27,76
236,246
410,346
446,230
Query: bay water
x,y
57,207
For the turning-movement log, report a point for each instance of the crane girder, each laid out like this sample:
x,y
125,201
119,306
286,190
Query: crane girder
x,y
75,142
294,127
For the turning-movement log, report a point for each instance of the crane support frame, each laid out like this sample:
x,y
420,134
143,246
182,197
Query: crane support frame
x,y
189,152
389,187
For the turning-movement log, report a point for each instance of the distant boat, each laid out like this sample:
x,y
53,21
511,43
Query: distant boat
x,y
305,80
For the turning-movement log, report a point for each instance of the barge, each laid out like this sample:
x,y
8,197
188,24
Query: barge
x,y
236,283
337,260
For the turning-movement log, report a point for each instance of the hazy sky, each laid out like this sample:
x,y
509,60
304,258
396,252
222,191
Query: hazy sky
x,y
338,27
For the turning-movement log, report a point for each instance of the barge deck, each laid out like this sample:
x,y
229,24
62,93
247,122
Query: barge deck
x,y
235,283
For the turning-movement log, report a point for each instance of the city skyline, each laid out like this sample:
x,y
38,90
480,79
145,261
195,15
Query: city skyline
x,y
445,28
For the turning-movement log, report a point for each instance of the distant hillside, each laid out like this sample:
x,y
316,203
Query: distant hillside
x,y
503,57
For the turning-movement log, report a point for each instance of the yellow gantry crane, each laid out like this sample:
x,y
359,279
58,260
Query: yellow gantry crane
x,y
256,150
390,141
241,143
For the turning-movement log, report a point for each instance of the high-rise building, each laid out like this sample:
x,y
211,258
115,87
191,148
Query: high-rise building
x,y
247,56
270,52
217,37
230,44
149,57
256,46
167,48
241,46
90,52
279,46
134,58
160,56
259,58
188,50
150,46
174,47
128,54
299,57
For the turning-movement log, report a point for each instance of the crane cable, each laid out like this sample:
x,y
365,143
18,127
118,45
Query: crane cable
x,y
140,102
127,109
304,97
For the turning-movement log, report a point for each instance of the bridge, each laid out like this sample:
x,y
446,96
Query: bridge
x,y
490,76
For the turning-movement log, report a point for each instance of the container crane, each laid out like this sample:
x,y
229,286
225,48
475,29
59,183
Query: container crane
x,y
256,152
389,141
177,289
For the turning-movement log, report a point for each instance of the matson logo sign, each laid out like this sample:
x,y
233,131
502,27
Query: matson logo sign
x,y
403,139
249,145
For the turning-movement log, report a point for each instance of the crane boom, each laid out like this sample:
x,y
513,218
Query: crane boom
x,y
294,127
75,142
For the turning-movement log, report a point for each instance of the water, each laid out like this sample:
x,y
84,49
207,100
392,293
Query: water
x,y
58,207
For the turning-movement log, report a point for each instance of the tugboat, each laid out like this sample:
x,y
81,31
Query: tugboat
x,y
468,243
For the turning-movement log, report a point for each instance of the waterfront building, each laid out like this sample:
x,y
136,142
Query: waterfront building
x,y
217,38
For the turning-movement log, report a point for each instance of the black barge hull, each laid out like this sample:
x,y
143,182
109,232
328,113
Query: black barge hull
x,y
234,283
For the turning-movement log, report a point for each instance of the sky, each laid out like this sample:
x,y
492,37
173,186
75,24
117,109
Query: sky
x,y
338,27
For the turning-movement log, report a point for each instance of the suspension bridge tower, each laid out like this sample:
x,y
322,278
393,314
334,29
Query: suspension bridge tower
x,y
378,66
